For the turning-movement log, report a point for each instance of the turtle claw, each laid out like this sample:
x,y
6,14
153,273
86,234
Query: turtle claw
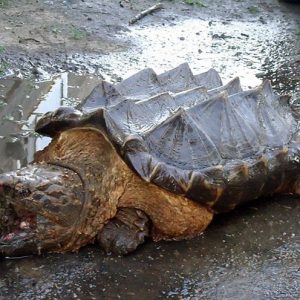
x,y
125,232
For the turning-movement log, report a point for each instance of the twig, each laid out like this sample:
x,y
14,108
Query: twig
x,y
24,40
146,12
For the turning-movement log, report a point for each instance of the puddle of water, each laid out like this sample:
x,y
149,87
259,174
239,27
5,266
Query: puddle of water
x,y
23,102
233,48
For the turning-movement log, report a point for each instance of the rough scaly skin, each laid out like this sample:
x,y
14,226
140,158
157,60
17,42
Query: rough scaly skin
x,y
46,200
122,234
112,184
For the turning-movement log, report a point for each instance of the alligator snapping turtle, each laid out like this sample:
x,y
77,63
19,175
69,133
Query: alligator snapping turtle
x,y
154,155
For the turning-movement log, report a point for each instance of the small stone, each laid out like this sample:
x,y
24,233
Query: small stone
x,y
24,225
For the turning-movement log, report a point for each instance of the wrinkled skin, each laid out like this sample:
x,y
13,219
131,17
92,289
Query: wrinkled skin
x,y
124,232
79,190
38,211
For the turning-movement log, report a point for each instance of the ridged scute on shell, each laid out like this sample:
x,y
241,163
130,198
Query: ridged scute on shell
x,y
192,135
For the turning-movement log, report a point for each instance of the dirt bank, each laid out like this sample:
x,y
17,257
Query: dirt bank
x,y
88,36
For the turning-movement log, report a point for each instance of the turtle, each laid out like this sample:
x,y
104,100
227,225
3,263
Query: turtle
x,y
151,157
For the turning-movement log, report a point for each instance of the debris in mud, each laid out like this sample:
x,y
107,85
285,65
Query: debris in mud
x,y
28,40
198,3
253,9
146,12
221,36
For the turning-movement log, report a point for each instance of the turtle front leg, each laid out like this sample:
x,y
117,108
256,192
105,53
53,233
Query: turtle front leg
x,y
173,217
125,232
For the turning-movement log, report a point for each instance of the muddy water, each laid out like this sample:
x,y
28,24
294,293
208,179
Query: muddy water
x,y
251,253
22,102
252,51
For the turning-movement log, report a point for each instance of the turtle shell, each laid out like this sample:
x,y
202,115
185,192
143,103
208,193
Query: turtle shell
x,y
191,135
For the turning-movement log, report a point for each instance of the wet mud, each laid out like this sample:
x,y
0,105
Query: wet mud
x,y
250,253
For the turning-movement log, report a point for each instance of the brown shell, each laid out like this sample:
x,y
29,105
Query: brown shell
x,y
190,134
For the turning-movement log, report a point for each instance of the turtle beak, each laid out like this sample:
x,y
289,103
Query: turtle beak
x,y
17,224
38,206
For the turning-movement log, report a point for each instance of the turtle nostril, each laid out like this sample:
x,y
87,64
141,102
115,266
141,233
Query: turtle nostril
x,y
6,184
4,188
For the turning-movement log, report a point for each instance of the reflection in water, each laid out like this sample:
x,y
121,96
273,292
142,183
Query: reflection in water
x,y
22,103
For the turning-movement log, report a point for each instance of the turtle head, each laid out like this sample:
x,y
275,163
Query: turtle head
x,y
55,121
39,208
61,202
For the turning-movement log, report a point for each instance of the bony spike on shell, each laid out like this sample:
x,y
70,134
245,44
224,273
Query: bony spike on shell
x,y
152,156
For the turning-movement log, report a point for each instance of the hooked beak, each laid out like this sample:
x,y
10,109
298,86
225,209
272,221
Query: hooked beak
x,y
17,225
39,206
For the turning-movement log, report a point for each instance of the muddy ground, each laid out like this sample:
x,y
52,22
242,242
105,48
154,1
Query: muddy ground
x,y
94,37
251,253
